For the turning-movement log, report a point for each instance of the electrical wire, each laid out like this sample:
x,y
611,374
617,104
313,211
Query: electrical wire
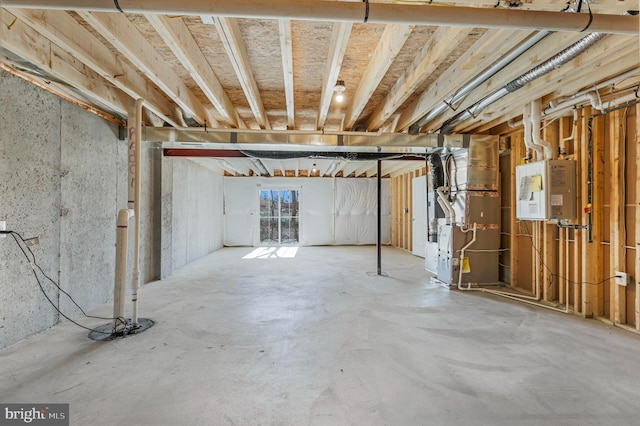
x,y
559,277
34,265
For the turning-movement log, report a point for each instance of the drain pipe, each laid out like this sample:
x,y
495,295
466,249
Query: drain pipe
x,y
462,251
546,67
481,78
135,189
526,122
122,239
536,125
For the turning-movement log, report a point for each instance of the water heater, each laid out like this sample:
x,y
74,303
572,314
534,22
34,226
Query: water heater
x,y
546,190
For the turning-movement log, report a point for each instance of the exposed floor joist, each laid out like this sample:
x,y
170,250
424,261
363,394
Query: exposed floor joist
x,y
231,38
337,47
286,48
431,55
177,37
388,47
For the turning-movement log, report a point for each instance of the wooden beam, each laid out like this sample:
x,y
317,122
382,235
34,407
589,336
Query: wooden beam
x,y
394,212
363,168
178,38
373,170
27,44
286,49
618,231
231,39
598,208
517,152
489,48
64,31
337,47
388,47
435,51
349,168
125,37
637,208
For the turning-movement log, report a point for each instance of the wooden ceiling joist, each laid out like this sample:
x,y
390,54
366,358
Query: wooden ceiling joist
x,y
64,31
231,38
27,44
337,47
177,37
286,47
439,47
388,47
124,36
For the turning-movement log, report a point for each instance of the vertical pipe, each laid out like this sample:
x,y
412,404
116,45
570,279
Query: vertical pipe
x,y
379,244
122,237
135,186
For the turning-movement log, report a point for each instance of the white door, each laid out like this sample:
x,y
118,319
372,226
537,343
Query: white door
x,y
419,209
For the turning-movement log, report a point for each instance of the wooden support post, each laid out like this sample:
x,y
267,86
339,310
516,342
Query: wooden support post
x,y
517,152
549,234
618,234
394,212
410,212
637,207
597,260
562,265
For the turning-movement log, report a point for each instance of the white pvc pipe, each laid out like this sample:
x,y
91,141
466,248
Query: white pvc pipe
x,y
446,205
122,238
462,251
135,189
380,13
526,121
536,124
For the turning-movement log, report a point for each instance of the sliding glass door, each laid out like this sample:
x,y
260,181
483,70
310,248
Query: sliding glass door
x,y
279,216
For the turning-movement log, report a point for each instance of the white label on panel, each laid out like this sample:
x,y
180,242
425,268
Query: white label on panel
x,y
556,200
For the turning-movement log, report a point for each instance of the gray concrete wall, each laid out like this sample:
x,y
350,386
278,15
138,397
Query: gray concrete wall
x,y
63,178
195,210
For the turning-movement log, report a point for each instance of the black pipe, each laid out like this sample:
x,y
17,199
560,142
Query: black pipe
x,y
379,245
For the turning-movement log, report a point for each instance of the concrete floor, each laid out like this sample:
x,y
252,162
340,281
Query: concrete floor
x,y
316,340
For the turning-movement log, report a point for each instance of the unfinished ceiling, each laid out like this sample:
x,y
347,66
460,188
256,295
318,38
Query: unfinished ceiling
x,y
414,64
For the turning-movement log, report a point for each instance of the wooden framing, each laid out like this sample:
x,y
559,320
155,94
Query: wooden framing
x,y
286,47
231,38
389,45
337,47
177,37
432,55
618,232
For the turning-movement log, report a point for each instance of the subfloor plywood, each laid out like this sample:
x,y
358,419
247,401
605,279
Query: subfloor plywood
x,y
318,340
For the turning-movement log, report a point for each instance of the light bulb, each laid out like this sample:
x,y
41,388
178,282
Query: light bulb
x,y
339,97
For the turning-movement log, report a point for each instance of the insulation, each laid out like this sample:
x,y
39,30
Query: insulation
x,y
356,211
334,211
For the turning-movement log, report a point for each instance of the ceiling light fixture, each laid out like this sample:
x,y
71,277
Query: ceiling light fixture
x,y
339,89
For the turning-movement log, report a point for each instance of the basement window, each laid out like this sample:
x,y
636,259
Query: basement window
x,y
279,216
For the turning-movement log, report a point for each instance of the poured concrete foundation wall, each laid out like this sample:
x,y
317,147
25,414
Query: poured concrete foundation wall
x,y
63,178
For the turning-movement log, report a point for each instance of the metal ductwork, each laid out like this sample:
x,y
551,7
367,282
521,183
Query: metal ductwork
x,y
546,67
379,13
463,91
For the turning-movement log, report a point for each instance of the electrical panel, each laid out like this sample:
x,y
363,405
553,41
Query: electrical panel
x,y
546,190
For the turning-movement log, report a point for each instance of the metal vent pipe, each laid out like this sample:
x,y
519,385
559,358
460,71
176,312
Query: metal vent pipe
x,y
482,77
546,67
